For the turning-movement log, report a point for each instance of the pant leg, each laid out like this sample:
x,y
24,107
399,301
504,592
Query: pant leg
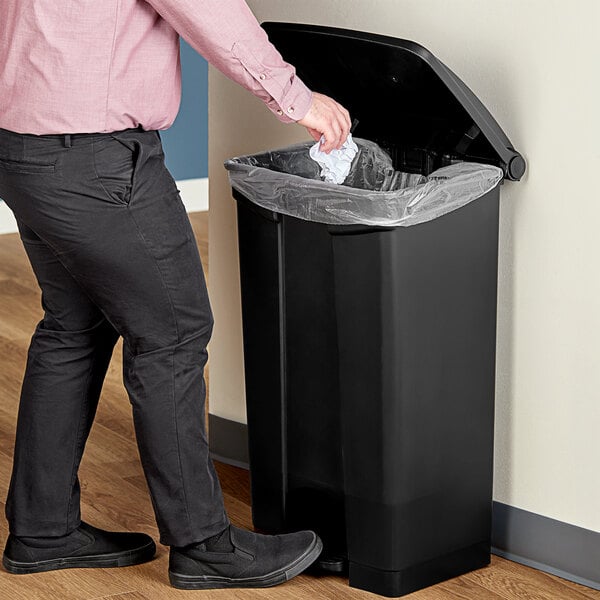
x,y
67,359
112,213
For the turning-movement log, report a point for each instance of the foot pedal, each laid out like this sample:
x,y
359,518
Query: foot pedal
x,y
332,564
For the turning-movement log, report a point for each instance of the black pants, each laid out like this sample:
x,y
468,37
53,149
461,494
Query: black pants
x,y
114,253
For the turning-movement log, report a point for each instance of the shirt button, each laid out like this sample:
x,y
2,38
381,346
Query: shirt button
x,y
291,109
263,76
279,112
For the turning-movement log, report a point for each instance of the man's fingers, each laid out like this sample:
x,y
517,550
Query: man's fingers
x,y
332,137
345,117
328,118
329,135
337,134
314,133
343,130
342,125
348,121
339,128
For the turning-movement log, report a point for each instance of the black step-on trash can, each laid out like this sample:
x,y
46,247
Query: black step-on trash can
x,y
369,317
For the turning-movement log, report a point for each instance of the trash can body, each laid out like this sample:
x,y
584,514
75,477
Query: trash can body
x,y
369,357
416,321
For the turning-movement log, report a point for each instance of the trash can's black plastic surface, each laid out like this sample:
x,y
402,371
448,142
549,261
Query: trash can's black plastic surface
x,y
369,352
291,364
369,362
417,331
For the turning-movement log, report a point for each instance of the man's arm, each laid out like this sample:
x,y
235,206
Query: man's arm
x,y
228,35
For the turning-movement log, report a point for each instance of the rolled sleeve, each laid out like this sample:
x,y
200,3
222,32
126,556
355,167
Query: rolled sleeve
x,y
228,35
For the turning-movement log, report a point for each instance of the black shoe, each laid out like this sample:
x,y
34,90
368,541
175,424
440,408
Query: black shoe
x,y
243,559
86,546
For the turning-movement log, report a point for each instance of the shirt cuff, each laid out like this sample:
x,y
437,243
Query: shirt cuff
x,y
295,104
284,93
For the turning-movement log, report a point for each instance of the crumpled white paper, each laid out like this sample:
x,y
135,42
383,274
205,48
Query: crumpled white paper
x,y
335,166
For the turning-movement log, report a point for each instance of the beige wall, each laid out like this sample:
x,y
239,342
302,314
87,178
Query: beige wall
x,y
535,65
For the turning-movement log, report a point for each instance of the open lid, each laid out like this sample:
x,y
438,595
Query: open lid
x,y
405,99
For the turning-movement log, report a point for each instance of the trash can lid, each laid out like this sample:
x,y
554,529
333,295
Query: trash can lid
x,y
402,94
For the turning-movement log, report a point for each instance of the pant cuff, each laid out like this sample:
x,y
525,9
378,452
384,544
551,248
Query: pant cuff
x,y
196,536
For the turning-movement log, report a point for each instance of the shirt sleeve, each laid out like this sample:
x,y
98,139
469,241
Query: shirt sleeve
x,y
228,35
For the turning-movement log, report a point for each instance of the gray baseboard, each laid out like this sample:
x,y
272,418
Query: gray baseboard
x,y
570,552
549,545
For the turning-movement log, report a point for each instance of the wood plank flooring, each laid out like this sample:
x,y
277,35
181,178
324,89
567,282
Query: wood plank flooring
x,y
114,493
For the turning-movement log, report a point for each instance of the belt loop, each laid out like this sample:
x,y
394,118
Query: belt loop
x,y
67,140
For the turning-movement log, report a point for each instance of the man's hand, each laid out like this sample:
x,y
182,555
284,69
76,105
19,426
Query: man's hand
x,y
326,117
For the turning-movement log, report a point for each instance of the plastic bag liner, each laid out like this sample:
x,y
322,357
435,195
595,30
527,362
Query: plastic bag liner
x,y
288,181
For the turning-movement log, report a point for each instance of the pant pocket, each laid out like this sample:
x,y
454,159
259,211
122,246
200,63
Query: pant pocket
x,y
25,167
114,166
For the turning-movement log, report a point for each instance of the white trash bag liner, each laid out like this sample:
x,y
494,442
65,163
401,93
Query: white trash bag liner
x,y
288,181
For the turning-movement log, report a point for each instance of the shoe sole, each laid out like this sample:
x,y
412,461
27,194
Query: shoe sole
x,y
114,559
209,582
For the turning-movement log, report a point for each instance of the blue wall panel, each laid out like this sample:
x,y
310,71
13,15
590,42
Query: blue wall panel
x,y
186,141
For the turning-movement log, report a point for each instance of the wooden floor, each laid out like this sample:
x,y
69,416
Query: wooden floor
x,y
114,493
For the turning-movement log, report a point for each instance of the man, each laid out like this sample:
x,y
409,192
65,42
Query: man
x,y
84,88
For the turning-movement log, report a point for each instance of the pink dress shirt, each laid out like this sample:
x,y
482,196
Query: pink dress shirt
x,y
82,66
